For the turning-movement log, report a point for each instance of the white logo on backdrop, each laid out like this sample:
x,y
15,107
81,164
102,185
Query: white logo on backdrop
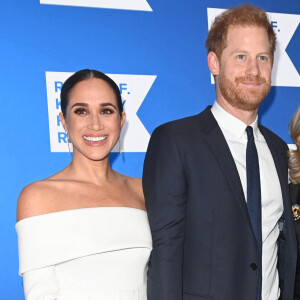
x,y
134,88
115,4
284,72
292,146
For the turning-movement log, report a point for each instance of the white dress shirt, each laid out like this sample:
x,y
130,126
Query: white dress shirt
x,y
234,131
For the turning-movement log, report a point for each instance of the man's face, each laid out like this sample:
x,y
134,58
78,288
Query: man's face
x,y
245,67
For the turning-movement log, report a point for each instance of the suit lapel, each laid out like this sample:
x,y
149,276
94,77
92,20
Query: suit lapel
x,y
218,145
280,161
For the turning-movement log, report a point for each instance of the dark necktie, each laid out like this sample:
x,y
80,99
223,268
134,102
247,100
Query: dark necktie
x,y
254,197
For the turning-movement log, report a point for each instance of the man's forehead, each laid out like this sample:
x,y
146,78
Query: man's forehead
x,y
237,27
237,41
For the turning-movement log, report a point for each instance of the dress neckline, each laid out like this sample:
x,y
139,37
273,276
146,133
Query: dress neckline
x,y
68,211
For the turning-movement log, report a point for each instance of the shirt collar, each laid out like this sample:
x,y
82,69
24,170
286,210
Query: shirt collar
x,y
232,126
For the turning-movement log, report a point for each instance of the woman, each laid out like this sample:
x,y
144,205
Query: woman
x,y
83,233
294,166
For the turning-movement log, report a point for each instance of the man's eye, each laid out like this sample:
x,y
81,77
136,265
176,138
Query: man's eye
x,y
80,111
262,57
241,56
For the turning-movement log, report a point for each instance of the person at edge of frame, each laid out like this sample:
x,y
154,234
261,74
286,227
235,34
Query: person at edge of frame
x,y
294,172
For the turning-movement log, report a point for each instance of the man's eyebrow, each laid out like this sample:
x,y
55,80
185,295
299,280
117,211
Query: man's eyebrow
x,y
244,51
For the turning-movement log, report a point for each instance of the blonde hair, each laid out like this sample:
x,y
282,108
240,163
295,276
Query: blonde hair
x,y
294,155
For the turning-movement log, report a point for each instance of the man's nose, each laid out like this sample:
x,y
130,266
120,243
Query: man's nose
x,y
253,67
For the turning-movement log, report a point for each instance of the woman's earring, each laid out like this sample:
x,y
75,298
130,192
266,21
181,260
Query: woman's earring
x,y
68,142
120,150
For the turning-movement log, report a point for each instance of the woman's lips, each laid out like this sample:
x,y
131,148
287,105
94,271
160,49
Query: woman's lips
x,y
94,138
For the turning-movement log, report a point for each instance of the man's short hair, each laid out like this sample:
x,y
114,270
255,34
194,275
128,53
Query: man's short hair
x,y
245,15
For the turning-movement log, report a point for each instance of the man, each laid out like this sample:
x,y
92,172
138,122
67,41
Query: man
x,y
216,184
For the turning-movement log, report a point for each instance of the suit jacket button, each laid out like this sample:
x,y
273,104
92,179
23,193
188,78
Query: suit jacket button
x,y
254,266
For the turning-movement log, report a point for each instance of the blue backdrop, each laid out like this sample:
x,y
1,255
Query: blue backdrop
x,y
164,39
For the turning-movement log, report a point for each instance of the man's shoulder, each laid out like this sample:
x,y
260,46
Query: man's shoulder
x,y
179,123
187,125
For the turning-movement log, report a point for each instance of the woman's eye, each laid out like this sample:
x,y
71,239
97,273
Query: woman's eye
x,y
80,111
106,111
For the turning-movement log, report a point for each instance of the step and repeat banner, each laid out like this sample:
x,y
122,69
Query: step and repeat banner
x,y
154,50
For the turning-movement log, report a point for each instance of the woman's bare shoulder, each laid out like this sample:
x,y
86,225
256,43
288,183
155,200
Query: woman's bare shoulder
x,y
134,183
35,198
135,186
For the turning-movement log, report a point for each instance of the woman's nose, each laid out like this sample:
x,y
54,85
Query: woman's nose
x,y
96,122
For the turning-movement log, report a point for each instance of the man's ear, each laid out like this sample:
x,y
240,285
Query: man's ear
x,y
213,63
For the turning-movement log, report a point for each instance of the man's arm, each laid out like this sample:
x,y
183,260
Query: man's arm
x,y
165,189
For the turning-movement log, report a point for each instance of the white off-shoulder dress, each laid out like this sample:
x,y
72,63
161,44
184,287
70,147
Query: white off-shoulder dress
x,y
85,254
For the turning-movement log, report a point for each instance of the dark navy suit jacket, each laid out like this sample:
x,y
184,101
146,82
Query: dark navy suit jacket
x,y
204,245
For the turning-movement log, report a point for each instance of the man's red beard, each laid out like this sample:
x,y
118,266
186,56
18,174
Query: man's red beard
x,y
241,96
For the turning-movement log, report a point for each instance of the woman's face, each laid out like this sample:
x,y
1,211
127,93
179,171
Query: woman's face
x,y
92,118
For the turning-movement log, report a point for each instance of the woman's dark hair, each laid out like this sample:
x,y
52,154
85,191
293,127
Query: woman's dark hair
x,y
84,75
